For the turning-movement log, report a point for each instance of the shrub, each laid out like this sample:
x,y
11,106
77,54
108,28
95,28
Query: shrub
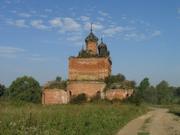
x,y
97,97
81,98
26,89
2,90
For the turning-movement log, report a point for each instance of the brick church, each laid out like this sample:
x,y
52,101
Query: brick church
x,y
88,70
86,74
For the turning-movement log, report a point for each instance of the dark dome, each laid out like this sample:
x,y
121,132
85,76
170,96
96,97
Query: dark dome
x,y
102,45
91,37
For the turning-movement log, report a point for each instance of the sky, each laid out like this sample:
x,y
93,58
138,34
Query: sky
x,y
38,36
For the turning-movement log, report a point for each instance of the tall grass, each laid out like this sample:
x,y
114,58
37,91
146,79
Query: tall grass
x,y
175,109
86,119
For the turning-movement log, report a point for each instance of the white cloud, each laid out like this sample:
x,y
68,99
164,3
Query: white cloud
x,y
95,26
85,18
178,10
48,10
156,33
39,58
10,52
103,13
56,22
19,23
101,19
38,24
74,38
26,15
8,2
135,36
113,30
70,24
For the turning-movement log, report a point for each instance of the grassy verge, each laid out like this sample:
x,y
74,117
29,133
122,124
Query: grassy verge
x,y
175,109
86,119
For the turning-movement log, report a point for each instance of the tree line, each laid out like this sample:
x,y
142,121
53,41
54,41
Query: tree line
x,y
28,89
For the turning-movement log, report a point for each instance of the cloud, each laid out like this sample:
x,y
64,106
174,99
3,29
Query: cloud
x,y
102,19
85,18
74,38
26,15
178,10
39,58
18,23
156,33
95,26
8,2
10,52
135,36
38,24
56,22
116,29
103,13
70,24
48,10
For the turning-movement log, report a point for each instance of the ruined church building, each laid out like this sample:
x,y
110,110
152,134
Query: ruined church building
x,y
86,74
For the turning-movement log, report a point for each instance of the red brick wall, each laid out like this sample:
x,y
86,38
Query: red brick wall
x,y
118,94
92,47
90,88
55,96
89,68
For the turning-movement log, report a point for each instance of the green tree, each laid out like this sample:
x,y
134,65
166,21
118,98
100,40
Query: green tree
x,y
140,92
164,93
25,88
2,90
58,78
144,84
150,95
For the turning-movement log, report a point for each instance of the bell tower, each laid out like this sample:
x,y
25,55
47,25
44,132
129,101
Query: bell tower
x,y
91,42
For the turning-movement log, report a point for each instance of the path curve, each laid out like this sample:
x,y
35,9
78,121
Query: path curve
x,y
156,122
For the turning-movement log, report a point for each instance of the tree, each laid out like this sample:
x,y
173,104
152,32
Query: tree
x,y
2,90
144,84
58,78
25,88
164,93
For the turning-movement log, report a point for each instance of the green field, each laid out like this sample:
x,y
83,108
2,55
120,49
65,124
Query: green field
x,y
87,119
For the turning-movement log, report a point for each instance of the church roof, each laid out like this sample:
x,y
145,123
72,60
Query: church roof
x,y
102,44
91,37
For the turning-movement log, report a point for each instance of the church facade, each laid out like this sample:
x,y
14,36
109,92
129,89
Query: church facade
x,y
88,70
86,75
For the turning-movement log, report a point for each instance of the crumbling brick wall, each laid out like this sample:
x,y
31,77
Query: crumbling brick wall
x,y
55,96
89,68
119,94
90,88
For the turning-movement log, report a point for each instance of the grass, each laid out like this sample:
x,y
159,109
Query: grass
x,y
175,109
143,133
86,119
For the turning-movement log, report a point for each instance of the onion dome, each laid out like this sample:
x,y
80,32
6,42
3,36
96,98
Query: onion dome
x,y
103,51
91,36
102,45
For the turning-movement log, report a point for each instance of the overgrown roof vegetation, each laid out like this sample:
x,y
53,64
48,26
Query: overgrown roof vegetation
x,y
58,83
119,82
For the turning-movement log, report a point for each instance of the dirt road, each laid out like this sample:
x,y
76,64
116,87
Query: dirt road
x,y
156,122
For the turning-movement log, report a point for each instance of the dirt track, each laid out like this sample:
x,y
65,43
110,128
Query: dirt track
x,y
156,122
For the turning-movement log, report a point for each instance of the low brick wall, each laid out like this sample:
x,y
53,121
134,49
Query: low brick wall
x,y
90,88
55,96
119,94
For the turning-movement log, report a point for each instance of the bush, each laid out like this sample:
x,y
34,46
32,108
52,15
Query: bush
x,y
2,90
97,97
58,83
81,98
26,89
